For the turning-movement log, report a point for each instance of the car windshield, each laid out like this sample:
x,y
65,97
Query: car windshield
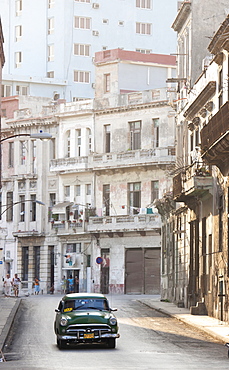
x,y
86,304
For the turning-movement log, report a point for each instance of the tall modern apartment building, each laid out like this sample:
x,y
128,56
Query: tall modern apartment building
x,y
50,44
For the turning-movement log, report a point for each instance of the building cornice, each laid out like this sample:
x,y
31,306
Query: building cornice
x,y
133,107
219,39
201,100
182,16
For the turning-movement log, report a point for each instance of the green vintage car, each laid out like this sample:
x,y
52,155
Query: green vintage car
x,y
85,318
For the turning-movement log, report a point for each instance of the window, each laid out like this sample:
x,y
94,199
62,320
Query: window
x,y
154,190
144,4
18,7
134,197
34,155
82,23
51,25
107,81
88,189
21,90
33,205
107,129
6,90
9,206
89,141
135,135
143,28
156,132
220,205
52,199
22,208
3,112
51,3
18,59
37,258
50,74
82,76
73,248
25,264
18,33
67,191
106,200
77,189
121,23
50,53
220,87
22,152
82,49
11,154
105,21
78,143
144,51
68,144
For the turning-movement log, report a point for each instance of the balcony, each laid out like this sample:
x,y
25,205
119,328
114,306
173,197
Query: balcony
x,y
69,164
215,140
134,158
119,224
194,182
67,227
129,158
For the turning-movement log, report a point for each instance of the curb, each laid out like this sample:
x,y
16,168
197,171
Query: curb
x,y
8,324
196,326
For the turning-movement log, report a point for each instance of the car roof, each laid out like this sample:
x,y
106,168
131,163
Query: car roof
x,y
83,296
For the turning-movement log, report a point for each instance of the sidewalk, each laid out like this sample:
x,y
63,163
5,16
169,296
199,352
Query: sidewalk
x,y
8,310
213,327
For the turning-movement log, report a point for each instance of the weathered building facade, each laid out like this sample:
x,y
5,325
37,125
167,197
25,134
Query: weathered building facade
x,y
108,160
195,215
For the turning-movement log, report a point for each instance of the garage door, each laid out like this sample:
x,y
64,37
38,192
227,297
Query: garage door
x,y
142,271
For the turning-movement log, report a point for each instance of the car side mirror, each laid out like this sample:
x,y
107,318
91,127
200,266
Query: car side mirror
x,y
56,310
114,309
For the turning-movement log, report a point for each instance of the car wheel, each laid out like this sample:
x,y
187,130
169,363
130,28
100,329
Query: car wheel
x,y
111,343
60,343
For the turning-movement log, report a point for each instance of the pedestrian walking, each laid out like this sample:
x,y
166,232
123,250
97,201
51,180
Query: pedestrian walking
x,y
36,286
71,284
16,283
7,285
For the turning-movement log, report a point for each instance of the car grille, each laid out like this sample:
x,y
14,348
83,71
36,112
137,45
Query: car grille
x,y
80,330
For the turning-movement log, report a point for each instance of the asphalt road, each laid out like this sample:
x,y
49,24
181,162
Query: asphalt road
x,y
149,340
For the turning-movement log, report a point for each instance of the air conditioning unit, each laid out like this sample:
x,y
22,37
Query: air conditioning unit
x,y
95,6
95,33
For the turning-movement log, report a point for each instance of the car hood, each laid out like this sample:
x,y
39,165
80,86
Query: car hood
x,y
87,317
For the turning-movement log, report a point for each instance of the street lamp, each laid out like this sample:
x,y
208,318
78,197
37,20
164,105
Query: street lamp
x,y
21,201
39,135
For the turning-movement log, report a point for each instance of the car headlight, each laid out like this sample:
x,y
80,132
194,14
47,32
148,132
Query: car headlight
x,y
113,321
63,321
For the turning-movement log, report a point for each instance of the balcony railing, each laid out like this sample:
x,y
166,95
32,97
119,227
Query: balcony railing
x,y
194,181
215,140
140,222
69,164
113,160
217,126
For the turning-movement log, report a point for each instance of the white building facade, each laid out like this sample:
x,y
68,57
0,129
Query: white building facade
x,y
50,44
